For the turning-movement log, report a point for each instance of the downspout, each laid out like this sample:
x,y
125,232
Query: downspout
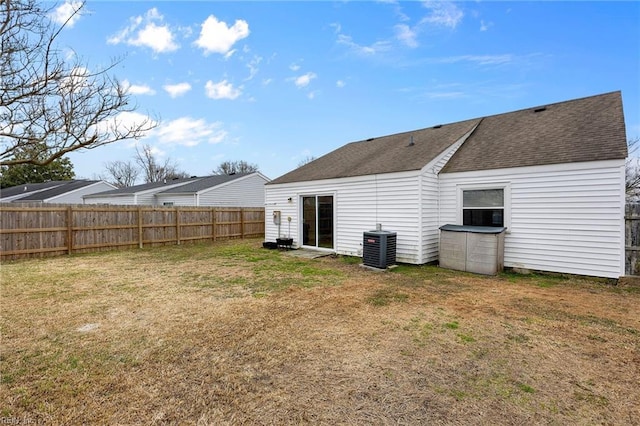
x,y
420,222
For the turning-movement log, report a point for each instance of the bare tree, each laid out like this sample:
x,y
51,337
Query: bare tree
x,y
121,173
306,160
632,169
155,170
52,102
233,167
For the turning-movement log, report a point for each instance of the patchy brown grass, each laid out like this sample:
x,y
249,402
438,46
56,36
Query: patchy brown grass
x,y
235,334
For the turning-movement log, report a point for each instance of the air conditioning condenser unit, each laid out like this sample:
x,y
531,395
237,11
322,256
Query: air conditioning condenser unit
x,y
379,249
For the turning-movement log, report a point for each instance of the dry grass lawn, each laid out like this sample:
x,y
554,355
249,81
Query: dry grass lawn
x,y
236,334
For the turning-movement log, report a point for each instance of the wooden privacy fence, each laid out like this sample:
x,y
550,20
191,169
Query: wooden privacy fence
x,y
632,239
50,230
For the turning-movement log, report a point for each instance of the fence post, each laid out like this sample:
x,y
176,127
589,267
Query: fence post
x,y
140,233
213,224
69,230
177,226
242,222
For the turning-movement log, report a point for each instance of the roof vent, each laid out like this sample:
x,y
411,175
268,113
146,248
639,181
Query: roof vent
x,y
369,140
411,143
437,126
540,109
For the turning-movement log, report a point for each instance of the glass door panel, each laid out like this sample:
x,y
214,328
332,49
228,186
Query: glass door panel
x,y
309,221
325,221
317,221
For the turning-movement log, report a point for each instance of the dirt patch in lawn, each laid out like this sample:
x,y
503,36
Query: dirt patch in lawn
x,y
236,334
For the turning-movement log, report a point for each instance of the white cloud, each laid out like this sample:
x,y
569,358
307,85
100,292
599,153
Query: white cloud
x,y
221,90
147,31
375,48
304,80
253,66
406,35
124,120
138,89
187,131
340,83
445,95
484,26
175,90
443,13
294,67
76,81
217,37
66,13
476,59
158,38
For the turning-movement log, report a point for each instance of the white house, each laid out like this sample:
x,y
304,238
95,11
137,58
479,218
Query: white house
x,y
553,175
237,190
63,192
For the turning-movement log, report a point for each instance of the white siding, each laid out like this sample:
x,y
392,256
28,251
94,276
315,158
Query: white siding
x,y
75,197
565,218
430,202
148,198
176,199
243,192
125,200
359,204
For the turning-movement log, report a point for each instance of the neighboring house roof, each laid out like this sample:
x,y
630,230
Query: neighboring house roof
x,y
137,189
28,188
53,190
207,182
586,129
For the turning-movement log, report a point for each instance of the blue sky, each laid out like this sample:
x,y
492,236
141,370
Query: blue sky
x,y
274,82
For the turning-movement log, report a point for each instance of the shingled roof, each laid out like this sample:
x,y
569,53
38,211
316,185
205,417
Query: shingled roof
x,y
585,129
28,188
204,183
136,189
47,190
387,154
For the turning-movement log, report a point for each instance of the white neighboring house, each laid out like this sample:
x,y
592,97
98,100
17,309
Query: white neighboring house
x,y
554,176
62,192
237,190
144,194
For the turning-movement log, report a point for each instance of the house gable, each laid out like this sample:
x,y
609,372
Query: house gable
x,y
586,129
388,154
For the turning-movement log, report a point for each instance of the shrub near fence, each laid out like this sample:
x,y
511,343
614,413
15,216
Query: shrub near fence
x,y
54,229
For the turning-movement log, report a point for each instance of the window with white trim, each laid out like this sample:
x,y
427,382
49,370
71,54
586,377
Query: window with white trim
x,y
483,207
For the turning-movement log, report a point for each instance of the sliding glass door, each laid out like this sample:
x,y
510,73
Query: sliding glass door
x,y
317,221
